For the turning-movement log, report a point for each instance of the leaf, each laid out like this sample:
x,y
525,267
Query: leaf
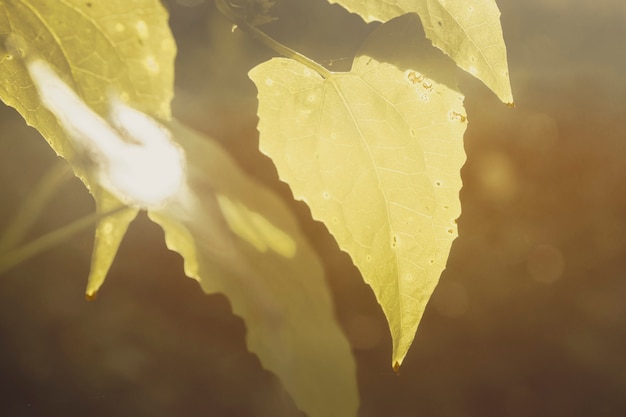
x,y
236,237
376,153
239,239
468,31
109,234
99,47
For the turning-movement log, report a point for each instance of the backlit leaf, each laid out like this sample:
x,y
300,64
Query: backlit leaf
x,y
99,47
239,239
469,31
70,68
376,153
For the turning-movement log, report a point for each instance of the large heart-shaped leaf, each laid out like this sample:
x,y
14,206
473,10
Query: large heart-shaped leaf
x,y
376,153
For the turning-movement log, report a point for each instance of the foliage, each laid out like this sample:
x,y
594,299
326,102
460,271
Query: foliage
x,y
375,152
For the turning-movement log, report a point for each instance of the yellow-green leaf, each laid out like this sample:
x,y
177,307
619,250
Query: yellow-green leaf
x,y
376,153
468,31
239,239
98,47
109,234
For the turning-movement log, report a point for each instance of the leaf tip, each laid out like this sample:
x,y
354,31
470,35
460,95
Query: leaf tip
x,y
396,368
91,296
511,105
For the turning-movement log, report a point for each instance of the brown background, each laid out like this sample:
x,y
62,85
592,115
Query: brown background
x,y
529,319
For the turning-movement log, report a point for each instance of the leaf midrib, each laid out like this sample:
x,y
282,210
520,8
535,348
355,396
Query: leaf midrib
x,y
333,81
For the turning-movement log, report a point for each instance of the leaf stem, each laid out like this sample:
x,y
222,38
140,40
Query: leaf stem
x,y
227,10
16,256
34,204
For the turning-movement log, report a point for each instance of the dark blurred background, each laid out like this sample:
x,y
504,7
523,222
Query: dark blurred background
x,y
529,318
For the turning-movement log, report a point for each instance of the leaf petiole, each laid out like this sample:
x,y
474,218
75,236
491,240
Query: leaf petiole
x,y
227,10
16,256
34,204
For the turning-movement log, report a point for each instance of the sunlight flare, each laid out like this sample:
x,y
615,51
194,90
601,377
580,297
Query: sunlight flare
x,y
134,157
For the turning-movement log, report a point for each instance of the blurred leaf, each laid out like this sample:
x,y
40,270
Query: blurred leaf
x,y
96,46
109,234
236,237
376,153
239,239
468,31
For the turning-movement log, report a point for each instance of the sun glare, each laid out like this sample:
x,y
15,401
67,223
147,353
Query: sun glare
x,y
136,158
